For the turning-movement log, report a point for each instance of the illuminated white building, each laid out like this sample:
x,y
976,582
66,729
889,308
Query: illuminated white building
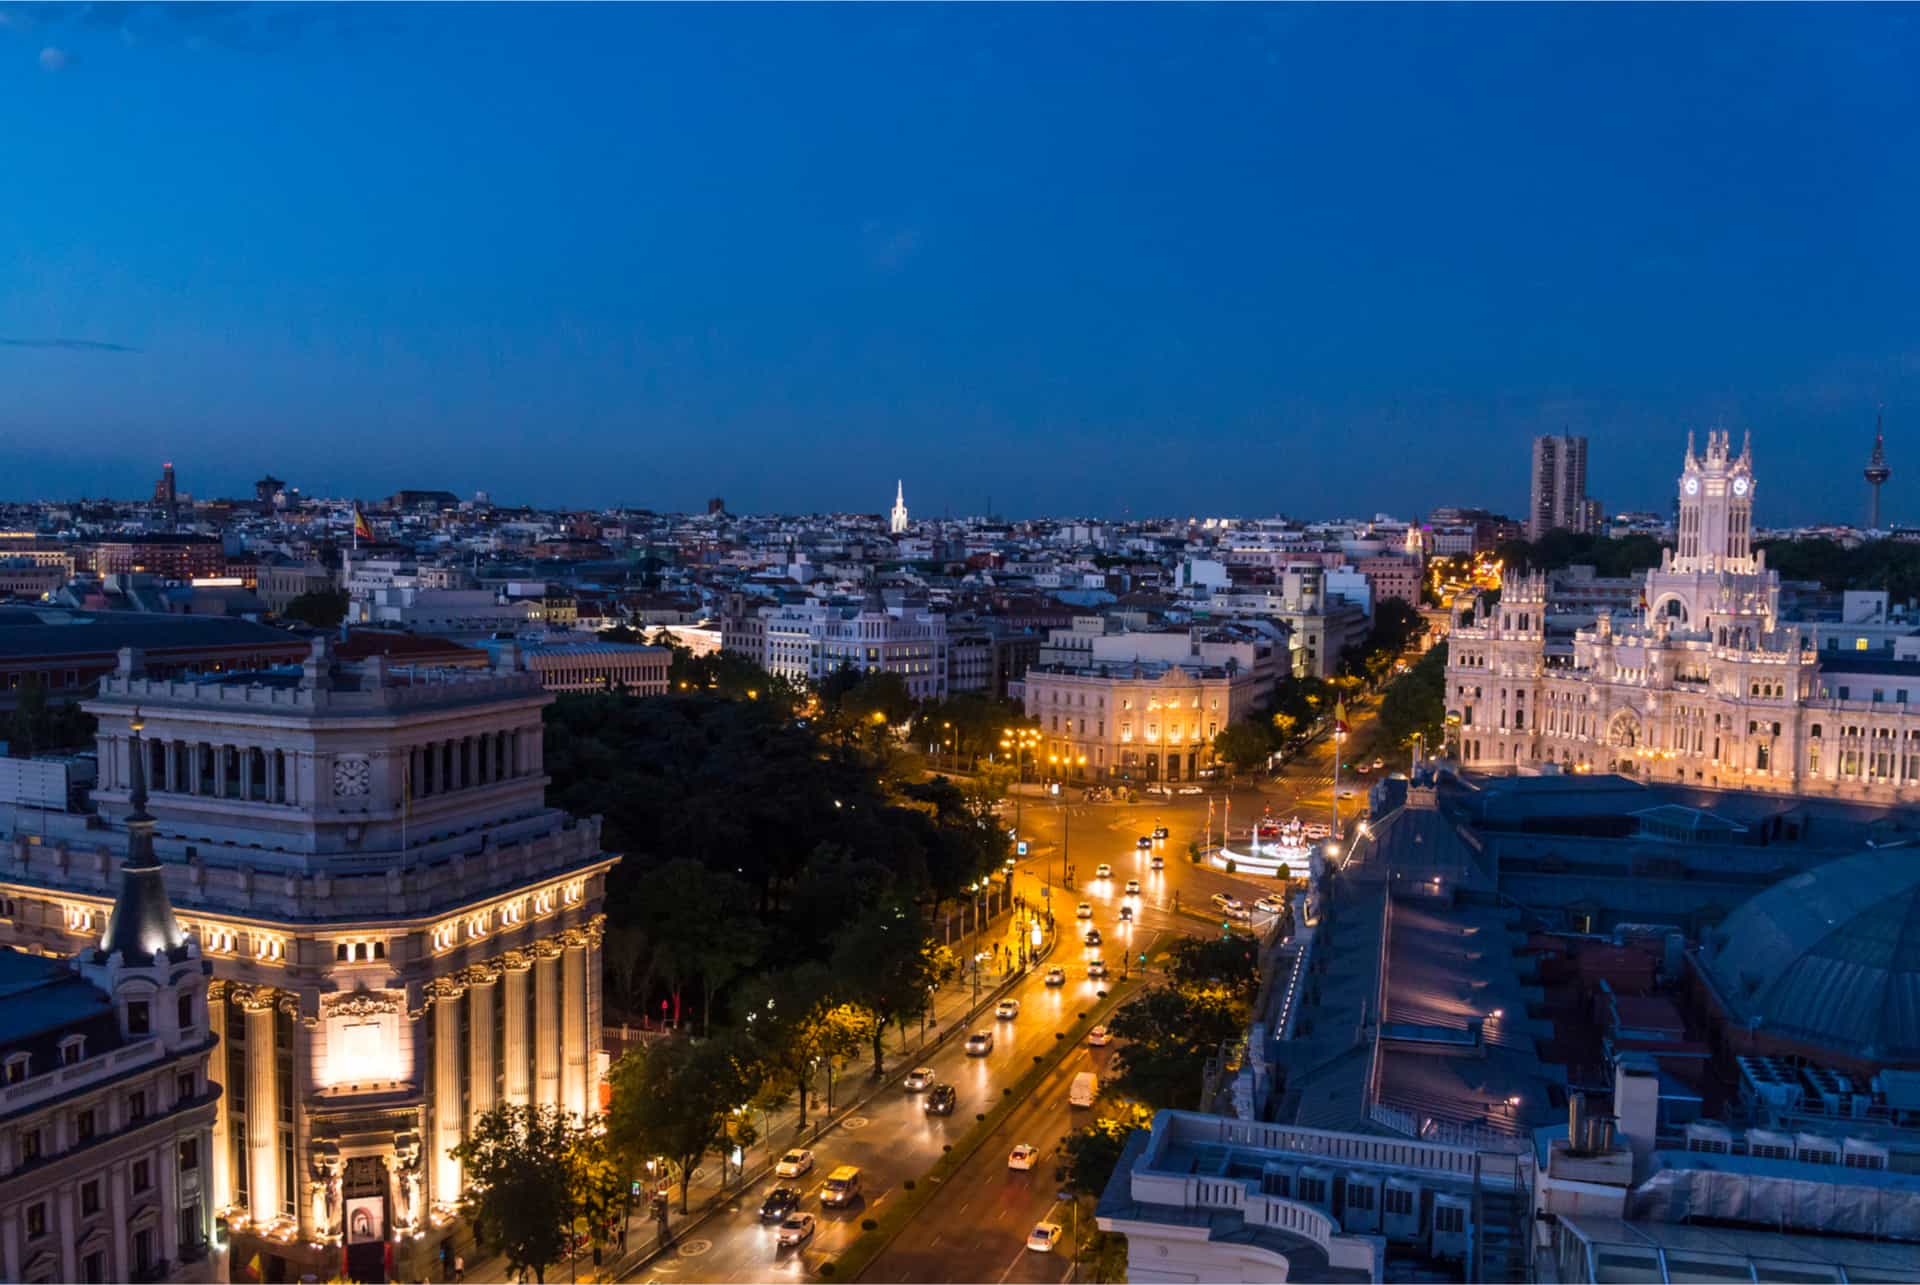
x,y
1706,684
402,933
897,520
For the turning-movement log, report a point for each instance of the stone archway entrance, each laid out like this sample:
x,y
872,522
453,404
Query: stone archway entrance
x,y
365,1215
1623,738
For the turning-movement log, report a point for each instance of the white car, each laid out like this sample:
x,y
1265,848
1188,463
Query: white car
x,y
1096,967
1133,887
1103,871
1272,905
1098,1036
1085,911
1022,1156
1008,1010
1229,904
797,1229
1043,1237
1056,977
1191,789
919,1079
980,1043
1346,791
1158,863
794,1163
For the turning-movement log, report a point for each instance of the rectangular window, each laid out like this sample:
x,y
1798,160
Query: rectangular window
x,y
1449,1219
189,1154
139,1017
29,1146
36,1220
137,1105
83,1125
142,1174
90,1198
184,1086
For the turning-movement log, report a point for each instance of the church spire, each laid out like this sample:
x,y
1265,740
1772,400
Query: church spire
x,y
898,523
141,922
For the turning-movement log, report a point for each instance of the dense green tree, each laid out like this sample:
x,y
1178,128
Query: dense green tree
x,y
785,1028
1245,744
1557,549
1166,1036
884,965
1093,1151
519,1164
40,725
673,1099
1415,705
323,609
1201,963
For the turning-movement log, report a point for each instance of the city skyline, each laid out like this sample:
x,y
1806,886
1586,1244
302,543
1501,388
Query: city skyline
x,y
584,246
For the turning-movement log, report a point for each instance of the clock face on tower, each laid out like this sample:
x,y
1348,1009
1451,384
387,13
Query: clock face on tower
x,y
351,777
1739,486
1693,486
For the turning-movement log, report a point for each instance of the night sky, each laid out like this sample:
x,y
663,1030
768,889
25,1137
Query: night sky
x,y
1164,260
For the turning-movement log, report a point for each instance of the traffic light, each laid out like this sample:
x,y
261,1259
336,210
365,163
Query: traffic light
x,y
1143,959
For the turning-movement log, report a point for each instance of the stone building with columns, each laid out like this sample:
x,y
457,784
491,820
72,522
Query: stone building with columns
x,y
1705,682
402,932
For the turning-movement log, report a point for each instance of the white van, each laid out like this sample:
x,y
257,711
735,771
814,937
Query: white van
x,y
1085,1085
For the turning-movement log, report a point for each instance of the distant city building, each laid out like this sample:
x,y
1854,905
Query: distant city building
x,y
1559,487
599,667
174,556
65,653
166,491
1146,706
716,506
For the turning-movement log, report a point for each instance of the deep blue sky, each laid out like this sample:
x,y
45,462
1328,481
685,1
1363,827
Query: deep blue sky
x,y
1089,259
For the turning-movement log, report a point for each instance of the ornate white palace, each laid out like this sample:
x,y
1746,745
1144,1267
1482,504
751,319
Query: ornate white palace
x,y
402,932
1705,686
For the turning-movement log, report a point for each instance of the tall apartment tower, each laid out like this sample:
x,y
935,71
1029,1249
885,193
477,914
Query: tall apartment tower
x,y
1559,499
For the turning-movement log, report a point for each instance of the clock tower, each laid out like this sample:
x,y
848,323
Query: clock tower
x,y
1716,507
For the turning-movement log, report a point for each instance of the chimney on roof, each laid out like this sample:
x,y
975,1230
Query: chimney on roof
x,y
506,657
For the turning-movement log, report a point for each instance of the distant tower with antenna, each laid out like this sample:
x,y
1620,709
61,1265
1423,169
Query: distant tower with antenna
x,y
1876,473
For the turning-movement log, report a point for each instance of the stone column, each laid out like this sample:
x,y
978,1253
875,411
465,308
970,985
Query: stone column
x,y
546,1033
447,1123
246,772
483,992
596,1008
573,1022
221,1161
516,965
220,771
263,1106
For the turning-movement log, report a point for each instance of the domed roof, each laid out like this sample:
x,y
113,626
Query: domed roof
x,y
1831,957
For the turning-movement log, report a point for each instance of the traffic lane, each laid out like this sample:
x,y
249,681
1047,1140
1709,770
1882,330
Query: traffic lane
x,y
894,1139
976,1228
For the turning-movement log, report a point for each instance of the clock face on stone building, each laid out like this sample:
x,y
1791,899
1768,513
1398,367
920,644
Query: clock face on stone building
x,y
351,777
1739,486
1693,486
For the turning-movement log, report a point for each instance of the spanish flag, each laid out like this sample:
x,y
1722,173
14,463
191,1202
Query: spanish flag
x,y
361,530
1340,718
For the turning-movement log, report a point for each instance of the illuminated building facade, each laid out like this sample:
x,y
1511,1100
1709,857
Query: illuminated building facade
x,y
1706,685
402,933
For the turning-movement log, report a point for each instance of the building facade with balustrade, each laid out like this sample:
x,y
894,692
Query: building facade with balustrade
x,y
402,932
1705,683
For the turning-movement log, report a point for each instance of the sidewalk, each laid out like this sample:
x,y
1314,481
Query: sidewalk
x,y
953,1007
